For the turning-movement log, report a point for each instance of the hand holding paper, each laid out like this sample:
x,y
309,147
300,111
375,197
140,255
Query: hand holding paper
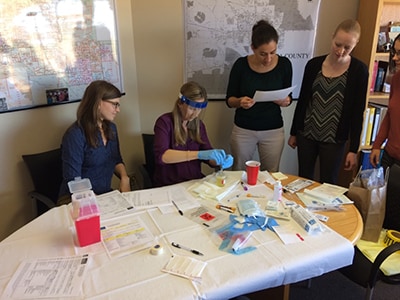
x,y
265,96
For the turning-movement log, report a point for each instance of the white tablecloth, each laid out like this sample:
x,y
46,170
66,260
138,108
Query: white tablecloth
x,y
139,275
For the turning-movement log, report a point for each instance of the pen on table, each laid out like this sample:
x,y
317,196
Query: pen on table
x,y
176,206
205,224
226,208
300,237
187,249
244,186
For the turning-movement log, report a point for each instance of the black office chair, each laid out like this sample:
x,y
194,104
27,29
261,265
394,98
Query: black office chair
x,y
46,172
147,169
362,271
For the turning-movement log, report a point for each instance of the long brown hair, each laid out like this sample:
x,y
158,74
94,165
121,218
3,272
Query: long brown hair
x,y
193,91
88,114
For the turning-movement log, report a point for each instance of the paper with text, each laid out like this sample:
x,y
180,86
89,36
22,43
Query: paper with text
x,y
265,96
126,235
46,277
113,204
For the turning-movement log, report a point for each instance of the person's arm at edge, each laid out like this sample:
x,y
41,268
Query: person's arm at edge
x,y
119,169
357,117
384,127
299,112
172,156
287,83
233,98
383,132
124,184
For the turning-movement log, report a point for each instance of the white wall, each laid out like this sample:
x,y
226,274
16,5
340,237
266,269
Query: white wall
x,y
151,38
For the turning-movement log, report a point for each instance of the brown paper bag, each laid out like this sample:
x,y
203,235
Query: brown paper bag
x,y
371,204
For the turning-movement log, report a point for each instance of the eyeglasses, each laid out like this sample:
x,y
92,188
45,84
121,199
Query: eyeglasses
x,y
115,104
394,52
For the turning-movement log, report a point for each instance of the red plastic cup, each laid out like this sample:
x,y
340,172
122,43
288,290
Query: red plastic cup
x,y
252,168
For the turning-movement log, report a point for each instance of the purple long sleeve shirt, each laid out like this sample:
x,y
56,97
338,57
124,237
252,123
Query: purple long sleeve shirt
x,y
166,174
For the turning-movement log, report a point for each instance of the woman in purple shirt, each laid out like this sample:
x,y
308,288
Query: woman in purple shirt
x,y
181,142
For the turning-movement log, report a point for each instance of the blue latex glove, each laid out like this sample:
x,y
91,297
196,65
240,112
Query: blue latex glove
x,y
228,162
217,155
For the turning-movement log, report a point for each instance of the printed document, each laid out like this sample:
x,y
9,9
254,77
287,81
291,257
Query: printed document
x,y
113,204
48,278
265,96
125,236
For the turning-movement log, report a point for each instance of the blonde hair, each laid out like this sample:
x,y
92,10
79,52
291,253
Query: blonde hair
x,y
349,26
193,91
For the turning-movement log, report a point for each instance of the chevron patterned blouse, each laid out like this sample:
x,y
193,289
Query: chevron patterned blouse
x,y
323,113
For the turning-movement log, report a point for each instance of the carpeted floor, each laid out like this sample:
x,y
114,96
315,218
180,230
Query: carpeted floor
x,y
335,286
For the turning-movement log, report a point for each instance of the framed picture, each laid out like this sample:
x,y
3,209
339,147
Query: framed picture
x,y
57,95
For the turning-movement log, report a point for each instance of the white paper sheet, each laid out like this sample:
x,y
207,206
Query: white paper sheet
x,y
182,199
265,176
113,204
265,96
326,191
148,198
48,278
125,235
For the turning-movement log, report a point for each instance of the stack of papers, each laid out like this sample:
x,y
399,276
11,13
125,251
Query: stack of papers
x,y
324,197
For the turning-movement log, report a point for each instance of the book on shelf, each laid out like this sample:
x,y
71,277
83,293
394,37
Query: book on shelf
x,y
373,76
380,77
393,29
373,116
364,128
371,119
375,126
380,112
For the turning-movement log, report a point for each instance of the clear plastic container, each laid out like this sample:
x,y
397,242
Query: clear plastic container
x,y
220,178
85,211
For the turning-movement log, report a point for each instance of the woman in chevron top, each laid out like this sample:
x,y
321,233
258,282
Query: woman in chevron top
x,y
330,108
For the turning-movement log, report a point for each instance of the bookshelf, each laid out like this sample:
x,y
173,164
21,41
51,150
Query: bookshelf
x,y
373,15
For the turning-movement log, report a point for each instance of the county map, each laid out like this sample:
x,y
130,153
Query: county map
x,y
219,32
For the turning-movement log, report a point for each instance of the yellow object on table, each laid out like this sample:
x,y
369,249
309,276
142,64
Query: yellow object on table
x,y
391,266
392,236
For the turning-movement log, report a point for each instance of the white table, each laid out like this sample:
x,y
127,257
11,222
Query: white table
x,y
139,275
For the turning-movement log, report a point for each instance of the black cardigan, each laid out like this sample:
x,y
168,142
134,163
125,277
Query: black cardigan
x,y
350,124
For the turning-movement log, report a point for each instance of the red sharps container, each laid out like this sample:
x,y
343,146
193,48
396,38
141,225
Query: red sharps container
x,y
85,211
